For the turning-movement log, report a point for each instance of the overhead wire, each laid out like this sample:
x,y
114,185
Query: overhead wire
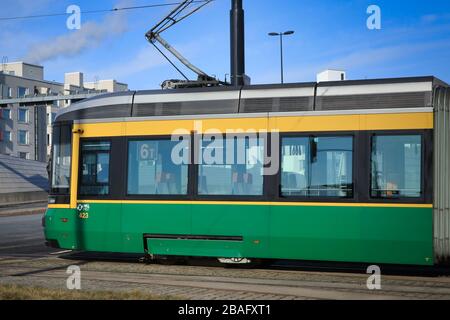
x,y
174,17
162,26
101,10
206,2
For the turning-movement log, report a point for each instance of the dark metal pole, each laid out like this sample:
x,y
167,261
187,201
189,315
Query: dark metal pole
x,y
237,43
281,49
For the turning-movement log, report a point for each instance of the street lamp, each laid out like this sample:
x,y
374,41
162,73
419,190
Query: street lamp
x,y
281,34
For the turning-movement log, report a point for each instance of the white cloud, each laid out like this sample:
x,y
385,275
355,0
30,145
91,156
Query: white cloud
x,y
73,43
433,17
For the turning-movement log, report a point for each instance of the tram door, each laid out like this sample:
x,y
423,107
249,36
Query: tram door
x,y
156,178
99,218
230,173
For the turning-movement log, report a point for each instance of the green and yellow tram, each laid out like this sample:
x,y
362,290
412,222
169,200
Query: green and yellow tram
x,y
350,171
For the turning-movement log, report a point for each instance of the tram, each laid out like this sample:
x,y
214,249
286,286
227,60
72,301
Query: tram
x,y
346,171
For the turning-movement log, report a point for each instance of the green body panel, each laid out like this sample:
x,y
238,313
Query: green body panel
x,y
67,233
352,234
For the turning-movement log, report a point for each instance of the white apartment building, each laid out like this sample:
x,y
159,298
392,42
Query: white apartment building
x,y
26,129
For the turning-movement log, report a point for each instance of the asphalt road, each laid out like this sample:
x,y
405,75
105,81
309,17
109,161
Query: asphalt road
x,y
22,235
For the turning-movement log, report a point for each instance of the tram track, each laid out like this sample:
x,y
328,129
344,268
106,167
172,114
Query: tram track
x,y
296,284
328,270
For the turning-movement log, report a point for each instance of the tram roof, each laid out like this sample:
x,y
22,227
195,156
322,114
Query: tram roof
x,y
411,92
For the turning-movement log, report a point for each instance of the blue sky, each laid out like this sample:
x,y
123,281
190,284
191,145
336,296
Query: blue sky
x,y
414,39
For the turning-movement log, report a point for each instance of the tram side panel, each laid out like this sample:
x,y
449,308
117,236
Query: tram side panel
x,y
352,234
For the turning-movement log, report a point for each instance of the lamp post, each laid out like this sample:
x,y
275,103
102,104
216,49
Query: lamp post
x,y
281,34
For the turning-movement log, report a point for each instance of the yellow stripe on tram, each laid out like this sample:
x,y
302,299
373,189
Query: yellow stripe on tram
x,y
363,122
59,206
74,172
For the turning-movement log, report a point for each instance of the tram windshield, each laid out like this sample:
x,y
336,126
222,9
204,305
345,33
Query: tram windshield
x,y
61,154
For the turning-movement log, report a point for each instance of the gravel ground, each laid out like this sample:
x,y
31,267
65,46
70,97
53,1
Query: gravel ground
x,y
216,283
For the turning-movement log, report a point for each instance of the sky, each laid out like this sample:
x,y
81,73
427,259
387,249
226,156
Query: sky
x,y
414,39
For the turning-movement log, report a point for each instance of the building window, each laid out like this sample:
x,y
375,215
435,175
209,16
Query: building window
x,y
396,166
7,136
23,115
22,92
24,155
23,137
10,92
6,114
95,168
317,167
152,171
231,167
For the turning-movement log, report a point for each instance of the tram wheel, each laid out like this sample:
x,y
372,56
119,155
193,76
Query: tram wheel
x,y
253,263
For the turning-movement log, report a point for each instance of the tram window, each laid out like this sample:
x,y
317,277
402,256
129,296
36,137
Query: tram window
x,y
152,171
95,157
231,167
61,154
317,167
396,166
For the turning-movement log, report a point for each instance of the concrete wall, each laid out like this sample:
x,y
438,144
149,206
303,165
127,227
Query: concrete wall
x,y
119,87
22,180
14,82
108,85
74,79
25,70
